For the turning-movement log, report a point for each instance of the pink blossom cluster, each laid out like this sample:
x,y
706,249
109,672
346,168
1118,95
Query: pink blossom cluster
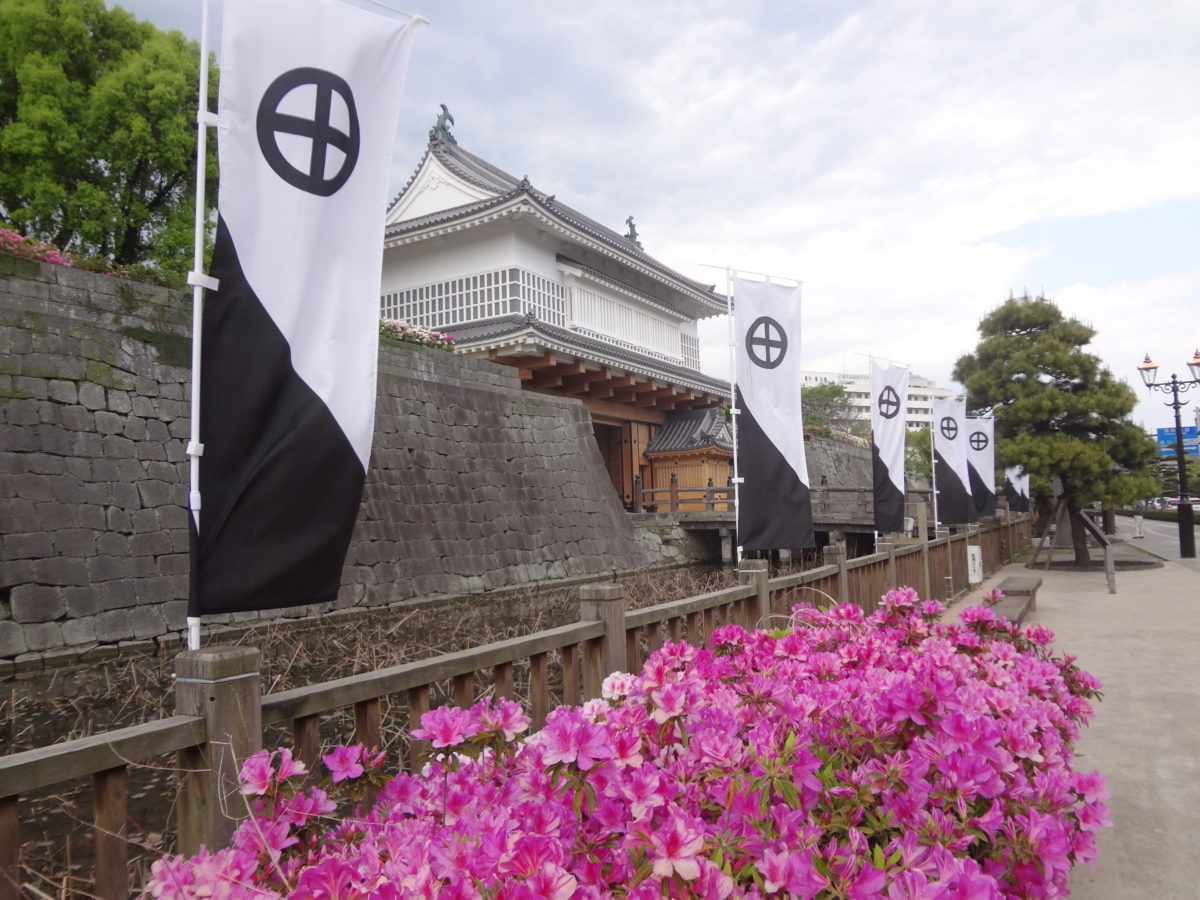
x,y
28,248
399,330
849,757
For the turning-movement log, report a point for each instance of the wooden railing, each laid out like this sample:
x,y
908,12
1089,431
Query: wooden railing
x,y
830,505
222,712
681,499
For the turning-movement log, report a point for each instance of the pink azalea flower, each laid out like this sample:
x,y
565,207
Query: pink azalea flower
x,y
570,738
645,789
329,879
257,774
549,883
447,726
675,846
617,685
506,717
670,701
344,762
1091,786
288,766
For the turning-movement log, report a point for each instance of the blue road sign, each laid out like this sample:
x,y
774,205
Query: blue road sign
x,y
1191,442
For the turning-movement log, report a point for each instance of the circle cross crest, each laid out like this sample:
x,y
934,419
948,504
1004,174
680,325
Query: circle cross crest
x,y
888,402
949,428
979,440
270,123
766,342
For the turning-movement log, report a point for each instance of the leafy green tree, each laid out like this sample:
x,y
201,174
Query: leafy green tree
x,y
1058,411
918,457
98,133
828,405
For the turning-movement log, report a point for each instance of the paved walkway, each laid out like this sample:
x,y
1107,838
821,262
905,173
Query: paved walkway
x,y
1143,643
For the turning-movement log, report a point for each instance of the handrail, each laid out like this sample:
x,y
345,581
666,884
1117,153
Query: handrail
x,y
649,615
314,699
31,770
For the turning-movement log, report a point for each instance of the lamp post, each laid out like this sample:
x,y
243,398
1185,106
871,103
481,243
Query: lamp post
x,y
1175,387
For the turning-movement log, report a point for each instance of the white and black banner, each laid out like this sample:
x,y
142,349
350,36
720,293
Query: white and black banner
x,y
1016,488
308,106
981,463
951,479
774,506
889,413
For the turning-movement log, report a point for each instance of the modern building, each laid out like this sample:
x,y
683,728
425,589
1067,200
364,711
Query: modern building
x,y
921,394
580,310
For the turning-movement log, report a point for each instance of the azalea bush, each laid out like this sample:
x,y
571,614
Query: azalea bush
x,y
847,757
15,244
399,330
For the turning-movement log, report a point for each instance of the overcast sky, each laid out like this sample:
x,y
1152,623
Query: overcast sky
x,y
912,163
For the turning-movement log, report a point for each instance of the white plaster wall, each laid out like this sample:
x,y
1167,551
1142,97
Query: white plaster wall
x,y
481,249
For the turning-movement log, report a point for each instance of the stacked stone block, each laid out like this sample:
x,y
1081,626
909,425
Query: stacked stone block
x,y
474,484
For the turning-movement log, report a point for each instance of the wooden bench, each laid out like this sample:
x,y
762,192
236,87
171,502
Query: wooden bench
x,y
1020,597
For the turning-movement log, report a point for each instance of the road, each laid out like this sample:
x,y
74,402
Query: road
x,y
1162,539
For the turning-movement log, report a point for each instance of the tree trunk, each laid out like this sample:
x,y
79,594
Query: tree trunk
x,y
1110,520
1043,515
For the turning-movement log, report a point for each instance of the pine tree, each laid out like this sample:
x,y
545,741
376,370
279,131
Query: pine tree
x,y
1058,411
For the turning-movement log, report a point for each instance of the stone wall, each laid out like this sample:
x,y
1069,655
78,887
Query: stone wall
x,y
474,484
843,465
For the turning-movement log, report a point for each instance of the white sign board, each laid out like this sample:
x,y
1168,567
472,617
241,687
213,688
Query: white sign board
x,y
974,564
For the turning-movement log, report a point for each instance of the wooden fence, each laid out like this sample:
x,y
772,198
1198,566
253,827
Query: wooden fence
x,y
221,712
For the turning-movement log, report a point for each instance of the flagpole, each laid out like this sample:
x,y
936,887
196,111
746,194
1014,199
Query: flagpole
x,y
933,477
199,282
733,416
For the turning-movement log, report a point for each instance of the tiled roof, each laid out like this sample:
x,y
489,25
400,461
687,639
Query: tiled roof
x,y
693,429
497,328
484,175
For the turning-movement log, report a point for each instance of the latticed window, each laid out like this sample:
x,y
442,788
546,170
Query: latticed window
x,y
690,345
474,298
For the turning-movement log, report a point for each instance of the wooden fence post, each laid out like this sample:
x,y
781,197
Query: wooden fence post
x,y
221,684
835,554
637,493
756,572
674,492
604,603
890,549
927,586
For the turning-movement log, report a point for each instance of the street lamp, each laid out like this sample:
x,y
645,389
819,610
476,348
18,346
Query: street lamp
x,y
1175,387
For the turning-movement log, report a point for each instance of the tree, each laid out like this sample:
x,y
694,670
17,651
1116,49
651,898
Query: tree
x,y
827,404
918,456
98,133
1058,411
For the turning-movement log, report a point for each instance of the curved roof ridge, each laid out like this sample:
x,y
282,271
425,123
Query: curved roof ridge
x,y
464,164
482,174
411,179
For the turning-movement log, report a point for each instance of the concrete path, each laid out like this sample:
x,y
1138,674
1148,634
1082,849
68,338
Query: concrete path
x,y
1143,643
